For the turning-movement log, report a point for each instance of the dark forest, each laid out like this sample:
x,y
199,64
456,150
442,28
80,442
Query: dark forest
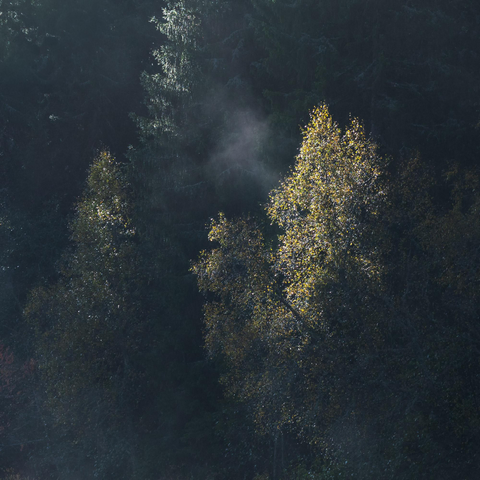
x,y
239,239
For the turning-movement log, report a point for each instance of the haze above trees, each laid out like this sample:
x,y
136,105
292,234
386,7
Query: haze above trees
x,y
239,239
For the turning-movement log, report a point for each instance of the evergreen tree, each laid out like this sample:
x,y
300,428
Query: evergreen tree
x,y
182,173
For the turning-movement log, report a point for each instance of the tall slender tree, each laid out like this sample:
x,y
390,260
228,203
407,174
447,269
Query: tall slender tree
x,y
88,330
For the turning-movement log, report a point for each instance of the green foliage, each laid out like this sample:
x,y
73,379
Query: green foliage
x,y
349,324
88,329
14,476
320,470
354,327
167,90
326,208
102,229
289,316
443,304
69,77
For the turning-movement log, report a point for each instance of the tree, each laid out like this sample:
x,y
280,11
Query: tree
x,y
69,76
20,428
179,183
437,303
68,79
88,331
352,323
295,318
405,69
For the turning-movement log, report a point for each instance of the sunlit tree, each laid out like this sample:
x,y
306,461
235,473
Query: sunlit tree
x,y
88,330
351,320
296,312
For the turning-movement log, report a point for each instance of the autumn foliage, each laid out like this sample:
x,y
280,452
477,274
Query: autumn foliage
x,y
336,325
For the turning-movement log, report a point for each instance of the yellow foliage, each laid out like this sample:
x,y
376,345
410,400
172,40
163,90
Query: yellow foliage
x,y
325,207
280,312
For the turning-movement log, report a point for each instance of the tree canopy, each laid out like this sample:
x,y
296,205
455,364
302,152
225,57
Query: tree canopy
x,y
88,328
312,317
339,285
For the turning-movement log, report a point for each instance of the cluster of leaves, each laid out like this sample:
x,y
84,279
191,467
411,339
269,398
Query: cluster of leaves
x,y
87,325
346,327
330,329
283,308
